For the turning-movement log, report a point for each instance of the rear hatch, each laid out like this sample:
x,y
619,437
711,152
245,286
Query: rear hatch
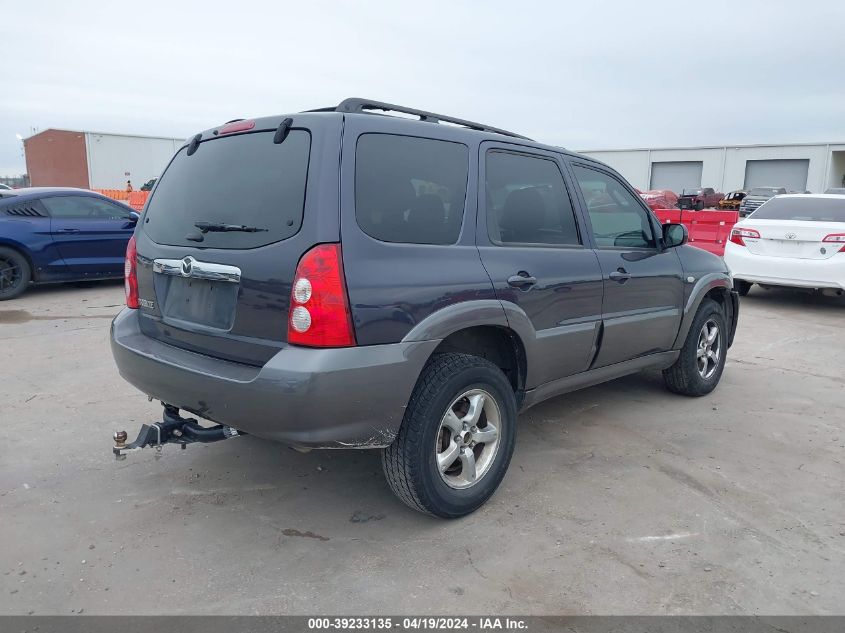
x,y
224,229
795,239
798,226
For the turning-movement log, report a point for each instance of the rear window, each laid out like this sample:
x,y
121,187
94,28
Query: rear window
x,y
802,209
238,180
410,189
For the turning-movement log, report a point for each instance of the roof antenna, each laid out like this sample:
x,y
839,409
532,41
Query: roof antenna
x,y
282,131
195,143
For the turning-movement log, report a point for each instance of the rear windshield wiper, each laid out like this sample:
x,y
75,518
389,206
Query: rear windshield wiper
x,y
219,227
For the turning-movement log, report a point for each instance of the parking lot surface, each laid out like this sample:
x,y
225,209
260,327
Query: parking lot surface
x,y
620,499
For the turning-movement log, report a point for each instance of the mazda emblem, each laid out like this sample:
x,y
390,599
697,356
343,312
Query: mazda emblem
x,y
187,266
791,236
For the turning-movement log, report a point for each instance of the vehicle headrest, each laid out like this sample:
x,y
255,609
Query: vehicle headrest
x,y
524,212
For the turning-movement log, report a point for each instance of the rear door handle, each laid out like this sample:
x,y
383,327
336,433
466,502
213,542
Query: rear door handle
x,y
68,230
620,275
523,280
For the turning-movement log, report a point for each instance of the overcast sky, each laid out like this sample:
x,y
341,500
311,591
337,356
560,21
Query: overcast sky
x,y
584,75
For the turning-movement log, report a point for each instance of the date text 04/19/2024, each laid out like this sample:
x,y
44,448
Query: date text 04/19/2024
x,y
427,623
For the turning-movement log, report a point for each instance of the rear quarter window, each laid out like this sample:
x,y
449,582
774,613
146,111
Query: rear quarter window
x,y
244,180
84,208
410,189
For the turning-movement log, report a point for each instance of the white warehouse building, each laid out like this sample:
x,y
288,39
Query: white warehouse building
x,y
799,167
95,160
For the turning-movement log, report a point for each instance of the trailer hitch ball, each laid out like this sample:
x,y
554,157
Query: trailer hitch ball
x,y
120,438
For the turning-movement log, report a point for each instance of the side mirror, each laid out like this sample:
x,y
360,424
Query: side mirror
x,y
134,216
675,235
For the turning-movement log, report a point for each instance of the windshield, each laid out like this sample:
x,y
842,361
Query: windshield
x,y
763,191
802,209
237,180
691,192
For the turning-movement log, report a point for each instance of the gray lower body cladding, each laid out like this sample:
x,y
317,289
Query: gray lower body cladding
x,y
322,398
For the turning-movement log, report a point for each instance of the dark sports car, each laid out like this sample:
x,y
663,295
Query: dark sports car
x,y
50,234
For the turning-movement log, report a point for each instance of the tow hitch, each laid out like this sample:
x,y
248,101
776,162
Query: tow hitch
x,y
173,429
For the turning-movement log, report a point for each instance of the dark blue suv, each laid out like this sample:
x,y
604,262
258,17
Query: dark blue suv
x,y
54,234
345,279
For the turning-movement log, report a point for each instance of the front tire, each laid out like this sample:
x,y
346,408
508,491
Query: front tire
x,y
15,273
456,439
702,360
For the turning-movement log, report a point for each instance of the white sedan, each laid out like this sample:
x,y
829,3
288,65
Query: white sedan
x,y
792,240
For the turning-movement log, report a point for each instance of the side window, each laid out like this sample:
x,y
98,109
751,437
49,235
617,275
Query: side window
x,y
105,209
410,189
81,207
527,201
617,218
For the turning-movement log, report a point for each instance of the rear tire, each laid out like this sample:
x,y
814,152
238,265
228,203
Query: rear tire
x,y
456,439
742,287
15,273
702,360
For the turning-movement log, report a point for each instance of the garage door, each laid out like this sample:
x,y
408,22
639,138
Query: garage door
x,y
789,173
676,175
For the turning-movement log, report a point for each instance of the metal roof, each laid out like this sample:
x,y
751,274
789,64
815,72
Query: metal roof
x,y
725,146
58,129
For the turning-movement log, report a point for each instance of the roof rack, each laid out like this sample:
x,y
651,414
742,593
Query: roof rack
x,y
359,106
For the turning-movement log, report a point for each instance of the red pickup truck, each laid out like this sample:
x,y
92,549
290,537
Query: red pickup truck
x,y
699,198
660,199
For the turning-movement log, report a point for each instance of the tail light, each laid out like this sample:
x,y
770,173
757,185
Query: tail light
x,y
130,275
738,236
836,238
319,308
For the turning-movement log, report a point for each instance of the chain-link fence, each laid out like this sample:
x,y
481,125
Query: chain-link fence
x,y
15,182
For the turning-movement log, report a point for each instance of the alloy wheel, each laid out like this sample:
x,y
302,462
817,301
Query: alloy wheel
x,y
468,438
11,275
709,349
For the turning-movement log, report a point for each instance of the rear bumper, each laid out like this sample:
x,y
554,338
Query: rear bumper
x,y
321,398
786,271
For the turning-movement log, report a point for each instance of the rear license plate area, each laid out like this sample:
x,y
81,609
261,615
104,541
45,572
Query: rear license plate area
x,y
194,301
